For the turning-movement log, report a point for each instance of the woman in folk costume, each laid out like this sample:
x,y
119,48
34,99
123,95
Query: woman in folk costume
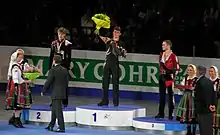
x,y
13,59
18,93
214,77
186,108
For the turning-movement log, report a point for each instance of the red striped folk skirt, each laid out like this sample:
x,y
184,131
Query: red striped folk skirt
x,y
18,97
216,116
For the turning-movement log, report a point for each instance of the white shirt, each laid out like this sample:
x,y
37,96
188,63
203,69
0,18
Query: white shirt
x,y
12,60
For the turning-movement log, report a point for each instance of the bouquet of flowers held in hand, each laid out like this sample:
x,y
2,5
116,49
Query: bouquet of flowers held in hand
x,y
101,21
31,73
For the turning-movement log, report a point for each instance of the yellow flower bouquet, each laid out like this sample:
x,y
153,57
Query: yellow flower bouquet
x,y
32,74
101,21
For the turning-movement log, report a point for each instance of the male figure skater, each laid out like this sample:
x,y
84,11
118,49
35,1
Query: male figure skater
x,y
169,67
111,66
61,47
58,80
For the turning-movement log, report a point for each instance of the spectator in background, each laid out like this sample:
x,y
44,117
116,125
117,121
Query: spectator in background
x,y
87,23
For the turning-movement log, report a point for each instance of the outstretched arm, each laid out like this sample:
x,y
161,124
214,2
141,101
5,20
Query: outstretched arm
x,y
105,39
48,81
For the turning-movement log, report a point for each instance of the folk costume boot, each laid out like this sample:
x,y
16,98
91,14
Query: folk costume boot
x,y
11,120
16,123
215,130
188,130
194,129
20,123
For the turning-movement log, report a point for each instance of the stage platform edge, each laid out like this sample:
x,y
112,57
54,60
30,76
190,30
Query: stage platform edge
x,y
41,115
159,125
108,117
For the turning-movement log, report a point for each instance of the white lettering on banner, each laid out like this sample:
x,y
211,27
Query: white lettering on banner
x,y
96,69
122,69
147,76
39,64
152,75
139,73
82,69
70,71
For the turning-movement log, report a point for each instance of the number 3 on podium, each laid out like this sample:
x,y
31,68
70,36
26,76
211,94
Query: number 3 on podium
x,y
38,115
94,117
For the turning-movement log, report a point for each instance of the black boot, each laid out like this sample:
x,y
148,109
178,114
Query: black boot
x,y
116,103
159,116
11,120
188,130
170,117
103,103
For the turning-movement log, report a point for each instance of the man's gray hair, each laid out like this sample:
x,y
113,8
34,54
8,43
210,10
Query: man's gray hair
x,y
57,59
201,70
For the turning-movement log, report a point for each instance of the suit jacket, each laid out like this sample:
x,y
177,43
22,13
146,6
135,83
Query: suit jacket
x,y
64,51
58,79
204,95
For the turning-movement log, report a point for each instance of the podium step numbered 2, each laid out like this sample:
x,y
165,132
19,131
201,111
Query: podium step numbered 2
x,y
41,114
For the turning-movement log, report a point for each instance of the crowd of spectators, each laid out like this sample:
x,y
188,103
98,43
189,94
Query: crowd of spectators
x,y
144,24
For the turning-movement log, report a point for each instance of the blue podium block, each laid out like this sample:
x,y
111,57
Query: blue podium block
x,y
42,114
163,125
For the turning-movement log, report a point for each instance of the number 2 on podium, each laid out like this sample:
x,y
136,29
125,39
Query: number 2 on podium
x,y
38,115
94,117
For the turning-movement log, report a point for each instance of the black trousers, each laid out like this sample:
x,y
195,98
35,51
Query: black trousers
x,y
162,93
66,65
111,70
205,124
57,113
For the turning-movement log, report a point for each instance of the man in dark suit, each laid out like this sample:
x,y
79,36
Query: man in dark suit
x,y
58,81
205,100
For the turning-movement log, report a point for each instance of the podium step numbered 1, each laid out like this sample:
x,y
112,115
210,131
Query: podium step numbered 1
x,y
108,116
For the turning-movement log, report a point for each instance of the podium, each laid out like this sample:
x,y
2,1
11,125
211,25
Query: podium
x,y
109,117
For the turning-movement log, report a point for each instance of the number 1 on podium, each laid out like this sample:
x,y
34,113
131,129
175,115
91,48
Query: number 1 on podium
x,y
94,117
